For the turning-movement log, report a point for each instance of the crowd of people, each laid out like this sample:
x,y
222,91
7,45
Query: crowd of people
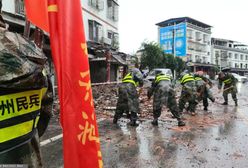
x,y
196,87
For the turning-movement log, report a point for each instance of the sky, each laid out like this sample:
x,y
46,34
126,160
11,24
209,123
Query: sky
x,y
137,19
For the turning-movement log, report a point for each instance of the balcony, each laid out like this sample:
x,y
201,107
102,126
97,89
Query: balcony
x,y
113,10
97,4
198,60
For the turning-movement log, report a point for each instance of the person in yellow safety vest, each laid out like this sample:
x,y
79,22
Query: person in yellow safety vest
x,y
164,94
203,92
188,93
230,87
25,100
128,99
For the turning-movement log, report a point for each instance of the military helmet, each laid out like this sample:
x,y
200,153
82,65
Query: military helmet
x,y
226,69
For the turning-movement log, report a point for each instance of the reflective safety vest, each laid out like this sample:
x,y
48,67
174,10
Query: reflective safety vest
x,y
129,79
187,78
19,115
227,81
198,78
162,78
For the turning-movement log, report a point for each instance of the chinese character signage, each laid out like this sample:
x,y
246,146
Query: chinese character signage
x,y
166,39
13,105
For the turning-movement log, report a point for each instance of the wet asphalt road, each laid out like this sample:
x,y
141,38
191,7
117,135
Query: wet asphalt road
x,y
217,138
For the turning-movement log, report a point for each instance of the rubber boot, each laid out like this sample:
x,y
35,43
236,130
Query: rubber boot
x,y
236,103
155,122
212,99
225,103
133,123
115,120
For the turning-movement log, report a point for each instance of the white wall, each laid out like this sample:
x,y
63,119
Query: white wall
x,y
8,6
231,61
100,16
197,42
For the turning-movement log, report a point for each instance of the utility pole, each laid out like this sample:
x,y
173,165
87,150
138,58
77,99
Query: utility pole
x,y
174,47
108,56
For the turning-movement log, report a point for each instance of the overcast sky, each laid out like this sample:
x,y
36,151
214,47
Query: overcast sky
x,y
137,19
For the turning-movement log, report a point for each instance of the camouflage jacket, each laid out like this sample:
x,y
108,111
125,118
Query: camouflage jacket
x,y
228,80
24,88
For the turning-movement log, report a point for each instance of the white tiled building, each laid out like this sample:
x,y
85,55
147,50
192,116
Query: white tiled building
x,y
101,21
228,53
197,38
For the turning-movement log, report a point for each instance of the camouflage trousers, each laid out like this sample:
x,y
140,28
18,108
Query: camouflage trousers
x,y
188,95
204,93
164,95
233,91
128,101
28,153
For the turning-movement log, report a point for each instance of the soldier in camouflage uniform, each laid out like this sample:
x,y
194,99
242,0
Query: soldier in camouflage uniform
x,y
229,82
203,92
188,93
128,99
163,94
25,100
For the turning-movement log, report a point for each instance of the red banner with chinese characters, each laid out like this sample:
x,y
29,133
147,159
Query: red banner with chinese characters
x,y
36,12
81,142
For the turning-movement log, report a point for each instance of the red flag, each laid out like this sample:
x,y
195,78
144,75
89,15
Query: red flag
x,y
80,133
36,12
81,143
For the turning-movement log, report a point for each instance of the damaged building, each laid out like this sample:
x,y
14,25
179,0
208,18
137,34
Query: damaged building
x,y
107,64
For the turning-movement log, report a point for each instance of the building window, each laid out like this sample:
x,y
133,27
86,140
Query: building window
x,y
204,60
97,4
236,56
110,34
241,65
113,10
241,57
115,40
246,66
189,34
95,31
205,38
230,55
246,57
236,65
19,7
197,59
198,36
217,54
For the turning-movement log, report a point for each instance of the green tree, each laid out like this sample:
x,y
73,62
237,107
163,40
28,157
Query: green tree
x,y
152,55
180,65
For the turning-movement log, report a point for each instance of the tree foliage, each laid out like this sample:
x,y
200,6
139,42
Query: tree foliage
x,y
154,57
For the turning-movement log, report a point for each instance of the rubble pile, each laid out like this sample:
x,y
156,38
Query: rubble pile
x,y
105,98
